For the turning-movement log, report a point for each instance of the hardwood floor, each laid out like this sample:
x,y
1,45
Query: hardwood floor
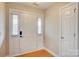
x,y
40,53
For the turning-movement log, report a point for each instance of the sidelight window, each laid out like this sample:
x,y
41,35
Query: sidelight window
x,y
39,22
15,24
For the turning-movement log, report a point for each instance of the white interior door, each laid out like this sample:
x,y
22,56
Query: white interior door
x,y
68,19
22,33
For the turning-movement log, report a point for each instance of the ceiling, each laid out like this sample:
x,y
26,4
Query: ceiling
x,y
40,5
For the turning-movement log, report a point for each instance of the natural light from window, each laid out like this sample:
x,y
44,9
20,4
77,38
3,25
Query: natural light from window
x,y
39,25
15,24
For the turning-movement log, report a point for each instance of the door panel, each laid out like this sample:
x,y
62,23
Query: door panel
x,y
68,31
28,28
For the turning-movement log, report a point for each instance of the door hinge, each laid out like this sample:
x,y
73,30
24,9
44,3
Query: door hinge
x,y
74,10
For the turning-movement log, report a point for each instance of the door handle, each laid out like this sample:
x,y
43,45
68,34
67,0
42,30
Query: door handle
x,y
62,37
20,33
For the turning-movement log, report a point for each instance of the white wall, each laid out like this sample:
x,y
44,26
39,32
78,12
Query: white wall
x,y
52,28
2,30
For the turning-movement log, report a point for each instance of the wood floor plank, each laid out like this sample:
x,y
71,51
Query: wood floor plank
x,y
39,53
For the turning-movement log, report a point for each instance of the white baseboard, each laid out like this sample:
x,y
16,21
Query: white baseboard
x,y
51,52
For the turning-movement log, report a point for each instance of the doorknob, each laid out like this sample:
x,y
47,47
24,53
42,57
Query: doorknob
x,y
62,37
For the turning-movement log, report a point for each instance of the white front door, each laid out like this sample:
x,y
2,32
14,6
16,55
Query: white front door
x,y
22,29
28,28
68,20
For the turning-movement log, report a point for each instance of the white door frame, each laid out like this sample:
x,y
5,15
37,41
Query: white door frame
x,y
38,46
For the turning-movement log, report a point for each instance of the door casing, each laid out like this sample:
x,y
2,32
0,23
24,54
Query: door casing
x,y
39,38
